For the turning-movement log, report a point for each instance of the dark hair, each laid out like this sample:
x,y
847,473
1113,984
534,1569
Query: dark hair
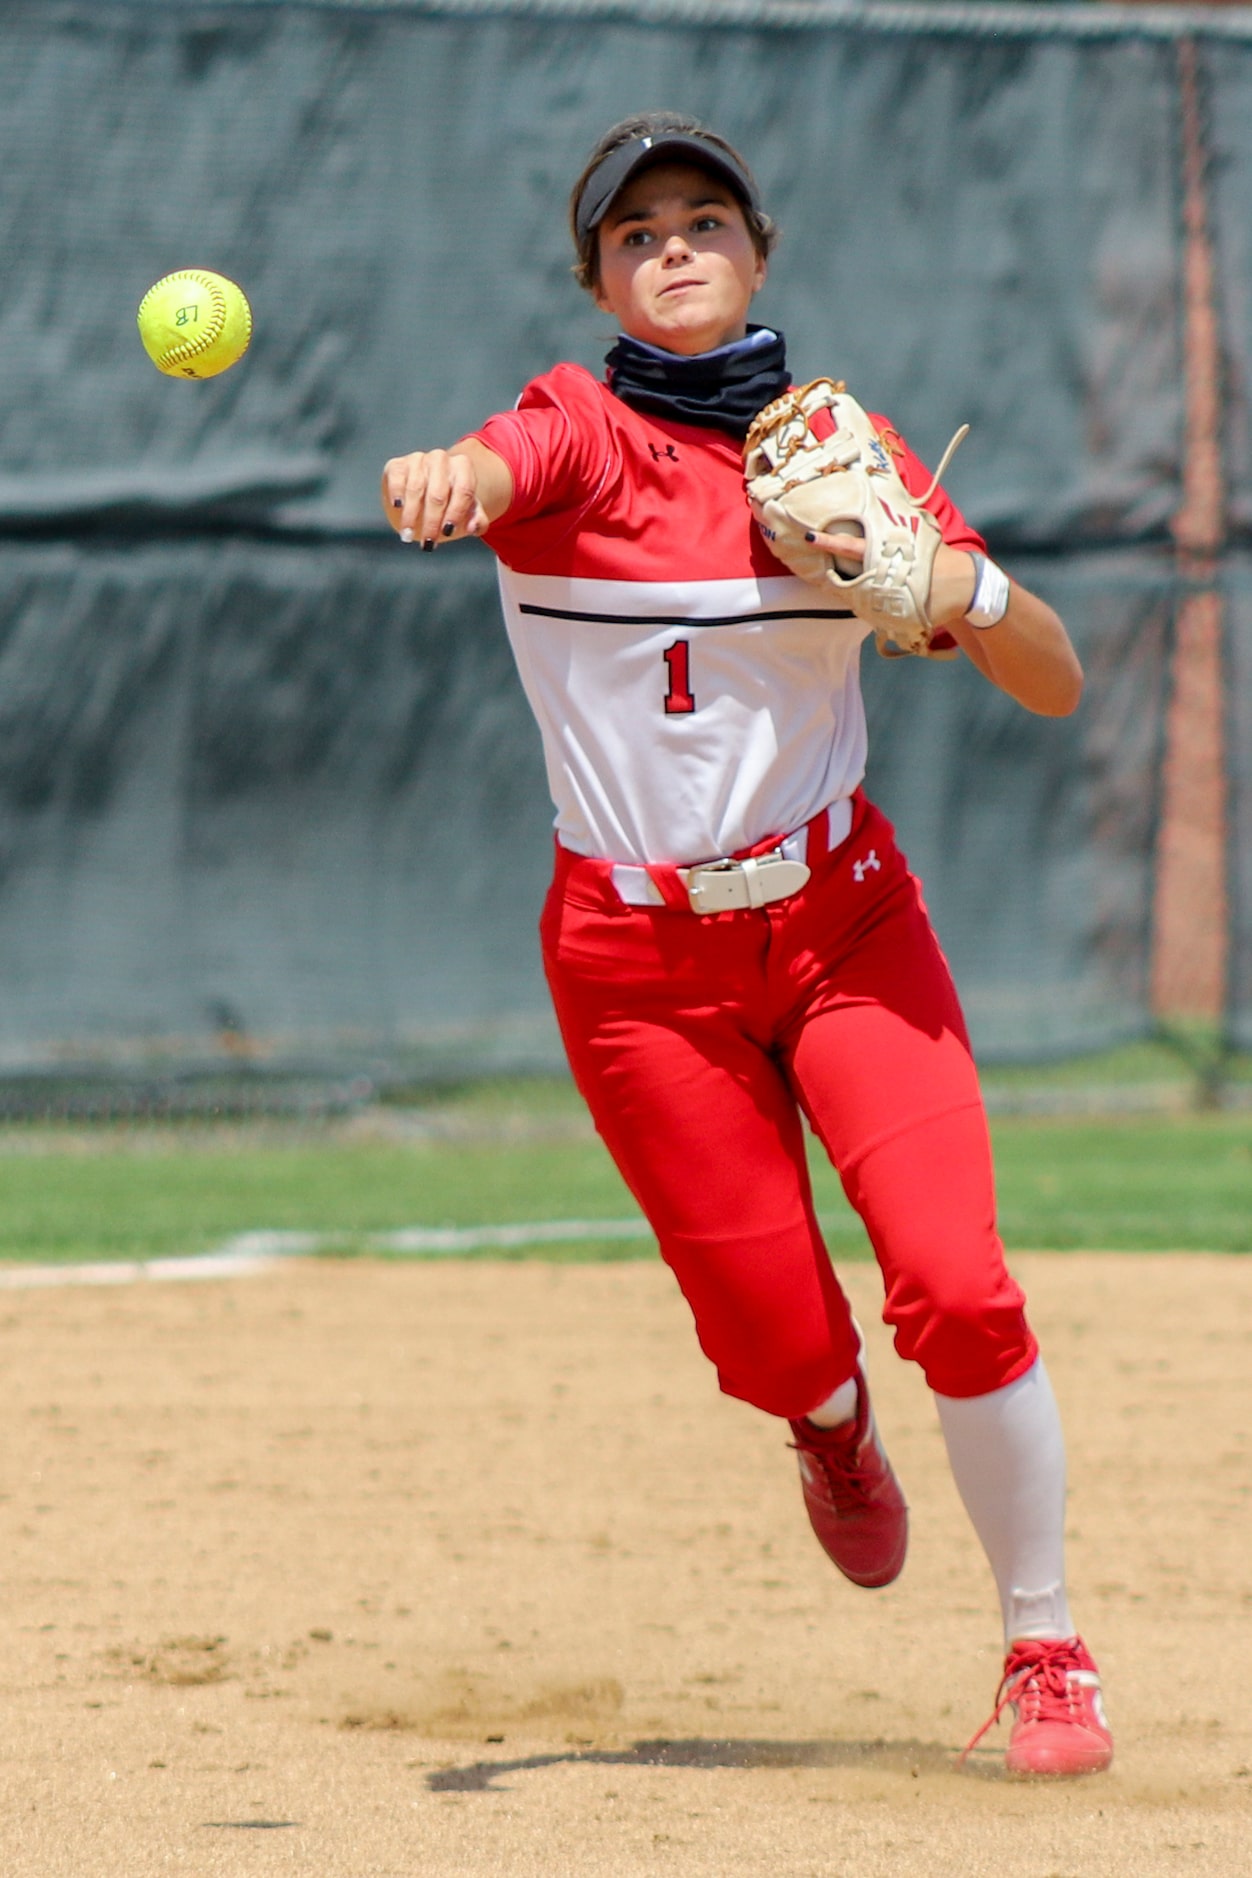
x,y
761,227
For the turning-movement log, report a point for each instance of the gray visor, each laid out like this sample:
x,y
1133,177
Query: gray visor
x,y
617,168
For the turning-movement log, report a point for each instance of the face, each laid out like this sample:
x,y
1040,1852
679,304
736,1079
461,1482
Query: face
x,y
677,265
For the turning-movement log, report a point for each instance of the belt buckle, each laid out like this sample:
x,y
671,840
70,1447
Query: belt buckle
x,y
728,886
716,887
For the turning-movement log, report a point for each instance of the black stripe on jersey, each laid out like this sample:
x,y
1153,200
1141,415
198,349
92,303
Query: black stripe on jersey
x,y
685,619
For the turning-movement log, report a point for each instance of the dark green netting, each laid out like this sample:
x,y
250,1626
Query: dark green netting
x,y
265,776
288,793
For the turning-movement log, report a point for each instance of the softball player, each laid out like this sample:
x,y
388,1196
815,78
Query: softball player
x,y
732,938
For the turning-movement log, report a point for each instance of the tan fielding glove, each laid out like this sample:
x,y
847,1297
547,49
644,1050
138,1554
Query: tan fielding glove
x,y
814,464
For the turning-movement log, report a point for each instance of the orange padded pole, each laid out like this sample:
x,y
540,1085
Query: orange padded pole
x,y
1190,941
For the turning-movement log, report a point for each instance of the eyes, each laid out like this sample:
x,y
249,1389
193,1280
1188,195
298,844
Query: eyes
x,y
643,236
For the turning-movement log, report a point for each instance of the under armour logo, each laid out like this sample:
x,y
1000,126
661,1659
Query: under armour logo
x,y
658,454
861,868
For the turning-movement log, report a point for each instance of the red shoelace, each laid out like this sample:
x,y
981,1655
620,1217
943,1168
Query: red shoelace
x,y
1036,1677
849,1483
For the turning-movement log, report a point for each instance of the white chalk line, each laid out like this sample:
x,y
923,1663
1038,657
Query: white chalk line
x,y
249,1252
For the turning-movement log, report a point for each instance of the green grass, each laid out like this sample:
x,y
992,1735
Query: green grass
x,y
1180,1067
1151,1184
154,1204
504,1153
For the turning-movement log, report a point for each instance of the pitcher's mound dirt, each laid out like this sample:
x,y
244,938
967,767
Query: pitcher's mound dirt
x,y
358,1570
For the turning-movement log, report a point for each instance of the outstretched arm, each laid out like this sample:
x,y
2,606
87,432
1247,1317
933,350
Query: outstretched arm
x,y
442,495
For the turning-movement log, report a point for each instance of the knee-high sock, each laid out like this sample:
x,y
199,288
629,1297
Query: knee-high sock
x,y
1008,1460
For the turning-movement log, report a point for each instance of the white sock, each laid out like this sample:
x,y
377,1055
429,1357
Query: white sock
x,y
1008,1460
837,1408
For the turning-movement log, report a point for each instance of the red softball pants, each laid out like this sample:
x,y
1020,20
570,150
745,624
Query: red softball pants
x,y
697,1043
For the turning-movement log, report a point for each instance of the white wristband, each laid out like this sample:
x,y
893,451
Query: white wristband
x,y
991,593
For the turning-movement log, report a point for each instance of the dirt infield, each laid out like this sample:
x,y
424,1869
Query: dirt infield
x,y
358,1570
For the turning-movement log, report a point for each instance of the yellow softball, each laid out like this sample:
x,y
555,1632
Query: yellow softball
x,y
194,324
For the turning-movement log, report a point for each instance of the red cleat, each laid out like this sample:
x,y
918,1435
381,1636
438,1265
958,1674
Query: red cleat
x,y
853,1499
1053,1687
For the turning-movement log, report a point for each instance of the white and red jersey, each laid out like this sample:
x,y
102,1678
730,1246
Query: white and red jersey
x,y
693,695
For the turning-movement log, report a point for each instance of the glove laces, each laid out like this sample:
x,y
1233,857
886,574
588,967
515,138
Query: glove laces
x,y
958,439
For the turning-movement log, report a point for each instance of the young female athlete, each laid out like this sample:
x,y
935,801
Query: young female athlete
x,y
732,938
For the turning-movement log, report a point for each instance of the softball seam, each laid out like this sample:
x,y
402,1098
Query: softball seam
x,y
192,348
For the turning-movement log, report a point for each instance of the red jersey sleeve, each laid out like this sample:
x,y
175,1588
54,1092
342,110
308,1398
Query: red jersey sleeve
x,y
556,444
915,476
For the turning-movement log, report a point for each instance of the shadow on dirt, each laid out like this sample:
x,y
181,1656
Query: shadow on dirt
x,y
905,1757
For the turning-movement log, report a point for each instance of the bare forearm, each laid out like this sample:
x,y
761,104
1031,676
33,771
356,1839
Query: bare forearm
x,y
1028,654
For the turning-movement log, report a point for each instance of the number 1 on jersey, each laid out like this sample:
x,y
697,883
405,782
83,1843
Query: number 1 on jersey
x,y
678,699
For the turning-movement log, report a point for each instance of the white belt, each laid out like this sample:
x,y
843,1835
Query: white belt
x,y
726,886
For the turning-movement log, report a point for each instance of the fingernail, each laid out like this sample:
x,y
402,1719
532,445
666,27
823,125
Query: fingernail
x,y
448,528
406,534
397,502
810,536
428,547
